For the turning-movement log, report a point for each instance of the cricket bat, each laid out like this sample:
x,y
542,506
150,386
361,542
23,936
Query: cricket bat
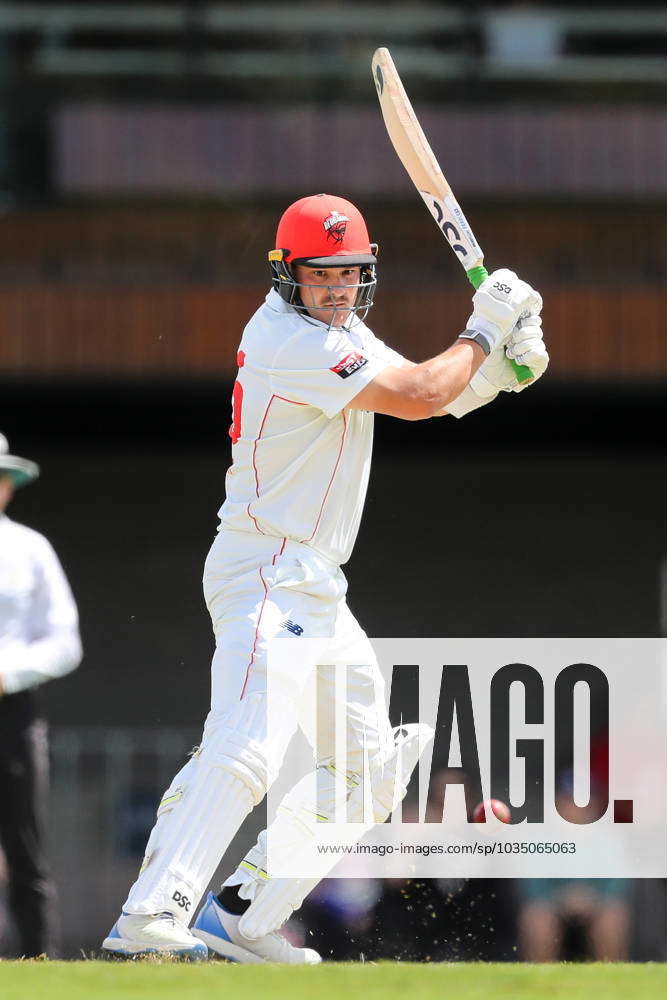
x,y
417,157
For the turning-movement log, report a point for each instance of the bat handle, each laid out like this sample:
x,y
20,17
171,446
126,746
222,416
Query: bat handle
x,y
476,276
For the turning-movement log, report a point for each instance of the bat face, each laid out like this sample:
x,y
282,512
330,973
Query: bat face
x,y
417,157
404,130
414,152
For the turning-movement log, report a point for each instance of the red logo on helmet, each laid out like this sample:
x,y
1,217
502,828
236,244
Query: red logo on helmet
x,y
335,226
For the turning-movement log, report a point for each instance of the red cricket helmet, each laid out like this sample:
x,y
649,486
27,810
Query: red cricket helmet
x,y
323,230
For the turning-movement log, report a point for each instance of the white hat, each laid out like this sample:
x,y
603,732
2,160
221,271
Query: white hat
x,y
22,470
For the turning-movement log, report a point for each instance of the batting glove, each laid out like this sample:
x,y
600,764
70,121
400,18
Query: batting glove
x,y
526,346
500,301
496,374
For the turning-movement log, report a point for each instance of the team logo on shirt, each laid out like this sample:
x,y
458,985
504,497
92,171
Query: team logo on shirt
x,y
335,226
350,364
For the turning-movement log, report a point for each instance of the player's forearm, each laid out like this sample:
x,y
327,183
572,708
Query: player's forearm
x,y
438,381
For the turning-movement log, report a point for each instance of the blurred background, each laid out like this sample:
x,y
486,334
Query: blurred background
x,y
146,152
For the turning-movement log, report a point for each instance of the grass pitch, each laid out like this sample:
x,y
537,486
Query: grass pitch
x,y
156,980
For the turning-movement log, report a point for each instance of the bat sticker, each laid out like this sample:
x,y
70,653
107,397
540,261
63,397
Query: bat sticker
x,y
455,210
449,230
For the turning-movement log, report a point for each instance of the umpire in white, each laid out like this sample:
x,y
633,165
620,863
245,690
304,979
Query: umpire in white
x,y
39,640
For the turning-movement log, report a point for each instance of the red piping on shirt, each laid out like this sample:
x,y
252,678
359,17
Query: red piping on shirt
x,y
333,474
286,400
259,618
254,464
254,450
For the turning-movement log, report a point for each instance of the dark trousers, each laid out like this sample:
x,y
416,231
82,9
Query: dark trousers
x,y
24,769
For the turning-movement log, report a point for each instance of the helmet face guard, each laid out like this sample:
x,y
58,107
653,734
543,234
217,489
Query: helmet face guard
x,y
289,289
324,231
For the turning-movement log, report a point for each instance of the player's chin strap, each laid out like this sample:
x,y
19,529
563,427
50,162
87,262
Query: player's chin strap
x,y
289,289
318,798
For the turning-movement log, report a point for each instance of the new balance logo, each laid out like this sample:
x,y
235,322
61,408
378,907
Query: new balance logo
x,y
292,627
182,901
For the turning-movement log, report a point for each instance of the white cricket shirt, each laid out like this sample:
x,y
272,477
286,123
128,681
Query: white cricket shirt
x,y
300,459
39,634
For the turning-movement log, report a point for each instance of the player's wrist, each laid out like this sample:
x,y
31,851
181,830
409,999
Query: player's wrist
x,y
474,340
484,333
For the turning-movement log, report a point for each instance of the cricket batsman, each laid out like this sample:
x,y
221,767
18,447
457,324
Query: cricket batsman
x,y
311,376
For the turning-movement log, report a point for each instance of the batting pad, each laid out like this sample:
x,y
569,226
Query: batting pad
x,y
201,812
294,829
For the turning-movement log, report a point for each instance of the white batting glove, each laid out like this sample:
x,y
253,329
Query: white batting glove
x,y
496,374
526,347
500,301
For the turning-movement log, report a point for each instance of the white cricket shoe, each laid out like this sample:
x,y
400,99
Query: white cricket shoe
x,y
136,934
219,930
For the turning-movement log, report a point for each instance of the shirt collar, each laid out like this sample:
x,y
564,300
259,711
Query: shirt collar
x,y
278,304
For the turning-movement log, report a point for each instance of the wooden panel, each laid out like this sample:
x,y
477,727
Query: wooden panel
x,y
552,244
193,331
56,330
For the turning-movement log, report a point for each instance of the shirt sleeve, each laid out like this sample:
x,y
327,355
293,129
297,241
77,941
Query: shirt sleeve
x,y
326,370
54,647
382,350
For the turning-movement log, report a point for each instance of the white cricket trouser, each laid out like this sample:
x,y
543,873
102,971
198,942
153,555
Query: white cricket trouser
x,y
257,587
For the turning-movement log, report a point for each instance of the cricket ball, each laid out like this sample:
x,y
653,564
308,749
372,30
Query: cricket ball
x,y
491,808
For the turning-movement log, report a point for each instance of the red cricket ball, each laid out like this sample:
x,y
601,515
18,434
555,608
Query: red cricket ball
x,y
490,808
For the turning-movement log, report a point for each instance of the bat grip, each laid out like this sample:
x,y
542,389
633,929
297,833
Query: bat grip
x,y
476,276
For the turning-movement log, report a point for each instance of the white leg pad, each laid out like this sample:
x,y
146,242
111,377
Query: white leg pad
x,y
201,812
274,899
187,843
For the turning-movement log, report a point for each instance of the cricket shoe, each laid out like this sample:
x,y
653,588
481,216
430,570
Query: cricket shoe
x,y
219,930
136,934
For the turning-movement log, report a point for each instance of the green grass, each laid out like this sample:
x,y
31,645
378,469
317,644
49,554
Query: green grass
x,y
164,981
